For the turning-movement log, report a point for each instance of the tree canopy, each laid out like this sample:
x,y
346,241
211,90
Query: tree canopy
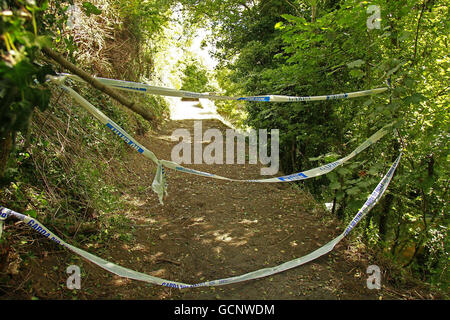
x,y
320,47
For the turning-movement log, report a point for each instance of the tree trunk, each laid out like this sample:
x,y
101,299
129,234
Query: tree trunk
x,y
383,222
313,12
293,154
145,113
340,212
5,149
397,228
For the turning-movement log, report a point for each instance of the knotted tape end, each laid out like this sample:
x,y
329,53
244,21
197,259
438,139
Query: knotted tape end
x,y
159,184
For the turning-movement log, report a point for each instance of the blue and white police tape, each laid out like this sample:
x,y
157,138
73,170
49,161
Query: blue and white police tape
x,y
159,185
308,174
146,88
315,172
131,274
374,197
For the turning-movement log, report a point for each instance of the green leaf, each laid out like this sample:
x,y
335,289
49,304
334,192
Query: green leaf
x,y
42,41
416,98
353,191
340,195
343,171
357,73
368,102
89,9
335,185
31,213
316,158
279,26
356,64
292,18
404,35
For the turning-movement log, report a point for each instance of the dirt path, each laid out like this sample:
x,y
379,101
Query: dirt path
x,y
207,229
217,229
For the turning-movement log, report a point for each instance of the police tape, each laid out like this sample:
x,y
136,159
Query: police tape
x,y
131,274
159,185
311,173
146,88
308,174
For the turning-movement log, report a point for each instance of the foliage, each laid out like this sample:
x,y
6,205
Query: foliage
x,y
295,47
59,169
21,81
53,171
89,9
232,110
147,17
319,47
195,77
26,26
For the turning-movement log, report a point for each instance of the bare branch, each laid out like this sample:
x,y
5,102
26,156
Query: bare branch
x,y
146,114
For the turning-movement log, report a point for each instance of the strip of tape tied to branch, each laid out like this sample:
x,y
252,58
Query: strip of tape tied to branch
x,y
146,88
131,274
159,184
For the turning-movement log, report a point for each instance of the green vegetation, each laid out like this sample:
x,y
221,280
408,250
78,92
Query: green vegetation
x,y
320,47
48,144
296,47
195,77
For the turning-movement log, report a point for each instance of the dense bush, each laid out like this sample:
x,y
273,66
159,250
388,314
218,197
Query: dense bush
x,y
49,171
321,47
